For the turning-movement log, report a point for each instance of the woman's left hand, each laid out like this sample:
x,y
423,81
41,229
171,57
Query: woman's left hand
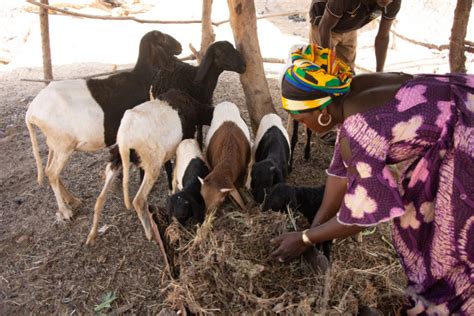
x,y
290,246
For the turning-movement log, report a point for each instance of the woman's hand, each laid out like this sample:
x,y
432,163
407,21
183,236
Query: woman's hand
x,y
290,246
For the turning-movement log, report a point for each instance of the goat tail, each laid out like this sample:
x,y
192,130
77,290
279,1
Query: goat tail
x,y
36,153
125,157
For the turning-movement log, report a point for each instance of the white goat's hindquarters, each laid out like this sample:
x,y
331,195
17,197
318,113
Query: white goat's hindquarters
x,y
153,130
226,111
66,109
267,122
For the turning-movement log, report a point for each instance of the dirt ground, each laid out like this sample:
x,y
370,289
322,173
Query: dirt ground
x,y
45,267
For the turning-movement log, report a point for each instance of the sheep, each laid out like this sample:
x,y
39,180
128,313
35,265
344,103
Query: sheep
x,y
190,165
84,115
228,153
148,137
200,81
305,200
270,156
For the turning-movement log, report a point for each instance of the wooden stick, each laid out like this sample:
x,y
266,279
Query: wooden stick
x,y
189,57
108,17
196,54
273,60
161,246
468,46
264,16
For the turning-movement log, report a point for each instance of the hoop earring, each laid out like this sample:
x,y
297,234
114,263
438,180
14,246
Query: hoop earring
x,y
320,121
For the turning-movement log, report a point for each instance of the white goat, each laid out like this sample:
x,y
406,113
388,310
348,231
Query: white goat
x,y
151,131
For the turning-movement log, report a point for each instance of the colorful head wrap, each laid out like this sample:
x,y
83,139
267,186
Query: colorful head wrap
x,y
314,76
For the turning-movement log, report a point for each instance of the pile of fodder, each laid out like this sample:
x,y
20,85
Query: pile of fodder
x,y
367,273
225,268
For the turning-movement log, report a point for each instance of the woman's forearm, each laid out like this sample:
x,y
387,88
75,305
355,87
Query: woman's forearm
x,y
332,229
333,194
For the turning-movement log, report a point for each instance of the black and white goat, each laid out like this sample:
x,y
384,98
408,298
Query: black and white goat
x,y
305,200
200,81
190,166
84,115
270,156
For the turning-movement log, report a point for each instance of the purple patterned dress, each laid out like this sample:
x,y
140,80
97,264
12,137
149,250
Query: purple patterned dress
x,y
429,125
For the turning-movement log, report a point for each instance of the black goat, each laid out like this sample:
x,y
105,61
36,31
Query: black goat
x,y
305,200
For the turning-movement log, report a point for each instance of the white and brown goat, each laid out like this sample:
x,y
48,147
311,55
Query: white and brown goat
x,y
228,153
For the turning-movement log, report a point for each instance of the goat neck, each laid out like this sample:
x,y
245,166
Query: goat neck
x,y
143,66
206,87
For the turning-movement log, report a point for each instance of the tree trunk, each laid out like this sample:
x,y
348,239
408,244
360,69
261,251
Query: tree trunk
x,y
44,23
457,58
208,36
244,26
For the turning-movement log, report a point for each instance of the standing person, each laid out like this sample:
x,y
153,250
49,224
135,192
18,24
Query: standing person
x,y
334,24
387,118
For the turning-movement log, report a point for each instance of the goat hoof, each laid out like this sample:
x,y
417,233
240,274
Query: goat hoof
x,y
90,240
64,214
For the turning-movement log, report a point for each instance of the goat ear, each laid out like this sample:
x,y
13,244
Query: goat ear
x,y
161,58
201,180
235,194
226,190
203,68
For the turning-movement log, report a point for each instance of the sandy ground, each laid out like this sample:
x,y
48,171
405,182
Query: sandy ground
x,y
44,266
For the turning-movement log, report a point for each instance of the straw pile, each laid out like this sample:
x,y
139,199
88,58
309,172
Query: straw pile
x,y
225,268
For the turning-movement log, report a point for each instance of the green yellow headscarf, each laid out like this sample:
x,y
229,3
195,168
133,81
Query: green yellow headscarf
x,y
313,78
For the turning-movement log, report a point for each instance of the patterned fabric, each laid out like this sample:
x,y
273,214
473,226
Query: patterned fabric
x,y
429,123
314,76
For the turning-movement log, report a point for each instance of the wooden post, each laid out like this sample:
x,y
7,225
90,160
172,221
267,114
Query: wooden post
x,y
457,57
208,36
44,24
244,27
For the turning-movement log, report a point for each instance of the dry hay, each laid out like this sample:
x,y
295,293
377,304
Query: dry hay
x,y
225,268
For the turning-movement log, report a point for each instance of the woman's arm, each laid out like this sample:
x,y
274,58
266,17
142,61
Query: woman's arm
x,y
332,199
291,245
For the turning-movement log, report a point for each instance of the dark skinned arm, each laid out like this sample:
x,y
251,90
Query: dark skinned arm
x,y
291,245
327,23
324,227
333,194
381,43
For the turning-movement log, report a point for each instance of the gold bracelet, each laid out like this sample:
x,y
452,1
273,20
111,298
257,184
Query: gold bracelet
x,y
306,239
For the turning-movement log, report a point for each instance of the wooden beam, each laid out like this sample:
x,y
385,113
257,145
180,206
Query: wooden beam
x,y
244,27
457,56
44,25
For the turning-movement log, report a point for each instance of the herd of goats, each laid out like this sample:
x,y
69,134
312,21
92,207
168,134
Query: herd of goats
x,y
154,114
